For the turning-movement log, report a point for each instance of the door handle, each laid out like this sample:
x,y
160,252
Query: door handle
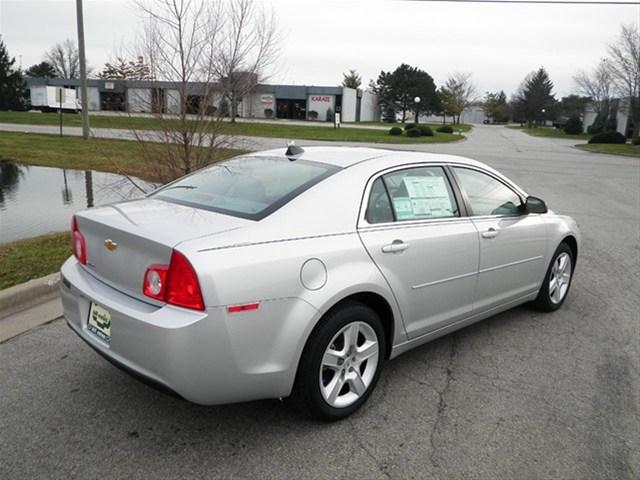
x,y
491,233
395,247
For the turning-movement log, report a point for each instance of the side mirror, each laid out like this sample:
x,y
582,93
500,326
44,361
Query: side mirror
x,y
535,205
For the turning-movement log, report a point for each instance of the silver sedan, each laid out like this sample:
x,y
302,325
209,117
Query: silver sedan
x,y
299,273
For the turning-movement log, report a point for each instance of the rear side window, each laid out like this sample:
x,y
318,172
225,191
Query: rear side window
x,y
412,194
247,187
379,207
486,195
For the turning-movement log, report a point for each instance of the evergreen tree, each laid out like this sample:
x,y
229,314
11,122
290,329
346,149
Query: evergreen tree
x,y
536,99
352,80
13,88
41,70
398,89
122,69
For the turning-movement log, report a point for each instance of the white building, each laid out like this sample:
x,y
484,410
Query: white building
x,y
299,102
618,109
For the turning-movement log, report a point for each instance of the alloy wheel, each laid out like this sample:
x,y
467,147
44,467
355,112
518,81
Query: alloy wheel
x,y
349,364
560,278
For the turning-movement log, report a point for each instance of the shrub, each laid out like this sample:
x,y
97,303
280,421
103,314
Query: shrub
x,y
268,112
395,131
425,130
409,126
594,128
573,126
608,137
414,132
313,115
445,129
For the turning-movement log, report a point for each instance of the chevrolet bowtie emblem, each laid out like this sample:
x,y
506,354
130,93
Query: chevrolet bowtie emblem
x,y
110,244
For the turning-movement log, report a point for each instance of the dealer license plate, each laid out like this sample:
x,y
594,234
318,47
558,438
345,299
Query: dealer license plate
x,y
100,322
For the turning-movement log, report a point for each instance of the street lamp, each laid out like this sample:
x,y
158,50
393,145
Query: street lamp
x,y
416,101
543,112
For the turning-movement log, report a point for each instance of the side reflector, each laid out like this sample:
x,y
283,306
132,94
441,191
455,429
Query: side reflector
x,y
243,308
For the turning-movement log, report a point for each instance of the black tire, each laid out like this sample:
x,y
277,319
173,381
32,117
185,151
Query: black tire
x,y
306,395
543,301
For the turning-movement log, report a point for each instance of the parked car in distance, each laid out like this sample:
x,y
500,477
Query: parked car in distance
x,y
300,273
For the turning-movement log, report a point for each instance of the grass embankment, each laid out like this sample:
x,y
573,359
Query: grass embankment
x,y
249,129
116,156
25,260
615,149
464,127
550,132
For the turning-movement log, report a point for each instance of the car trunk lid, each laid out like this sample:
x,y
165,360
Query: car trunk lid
x,y
123,239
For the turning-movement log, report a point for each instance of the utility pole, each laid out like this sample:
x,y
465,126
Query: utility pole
x,y
83,72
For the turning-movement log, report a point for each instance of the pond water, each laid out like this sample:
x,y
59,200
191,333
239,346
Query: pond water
x,y
39,200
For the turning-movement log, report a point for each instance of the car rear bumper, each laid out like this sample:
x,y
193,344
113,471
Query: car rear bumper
x,y
209,357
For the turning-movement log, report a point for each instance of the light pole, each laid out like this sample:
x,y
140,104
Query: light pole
x,y
416,101
83,72
543,112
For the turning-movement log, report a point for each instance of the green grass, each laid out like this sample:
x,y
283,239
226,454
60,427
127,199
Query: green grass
x,y
465,127
116,156
550,132
615,149
251,129
329,134
25,260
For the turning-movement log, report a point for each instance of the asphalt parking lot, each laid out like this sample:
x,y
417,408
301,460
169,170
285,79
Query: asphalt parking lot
x,y
521,395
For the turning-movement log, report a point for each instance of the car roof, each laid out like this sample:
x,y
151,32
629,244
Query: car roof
x,y
345,157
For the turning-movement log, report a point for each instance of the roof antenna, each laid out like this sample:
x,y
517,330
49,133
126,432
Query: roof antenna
x,y
293,152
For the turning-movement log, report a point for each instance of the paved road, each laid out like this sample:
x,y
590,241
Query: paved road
x,y
523,395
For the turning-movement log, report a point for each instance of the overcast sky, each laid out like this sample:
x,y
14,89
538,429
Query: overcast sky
x,y
499,44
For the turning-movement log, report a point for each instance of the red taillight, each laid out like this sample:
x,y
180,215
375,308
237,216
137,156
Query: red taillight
x,y
78,244
183,288
176,283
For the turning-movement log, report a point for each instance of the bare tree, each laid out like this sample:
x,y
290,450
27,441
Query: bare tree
x,y
597,85
180,45
624,68
459,93
65,59
248,48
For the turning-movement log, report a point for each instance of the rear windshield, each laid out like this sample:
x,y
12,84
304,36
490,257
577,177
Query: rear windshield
x,y
247,187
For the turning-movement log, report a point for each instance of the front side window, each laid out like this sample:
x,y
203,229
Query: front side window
x,y
246,187
486,195
412,194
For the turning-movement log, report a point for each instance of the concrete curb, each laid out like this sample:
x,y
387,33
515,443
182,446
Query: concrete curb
x,y
29,305
29,294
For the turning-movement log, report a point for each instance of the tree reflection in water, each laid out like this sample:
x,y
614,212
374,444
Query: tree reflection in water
x,y
10,174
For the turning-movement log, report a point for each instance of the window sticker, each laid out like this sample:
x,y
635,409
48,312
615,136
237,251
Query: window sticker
x,y
426,187
428,197
403,208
